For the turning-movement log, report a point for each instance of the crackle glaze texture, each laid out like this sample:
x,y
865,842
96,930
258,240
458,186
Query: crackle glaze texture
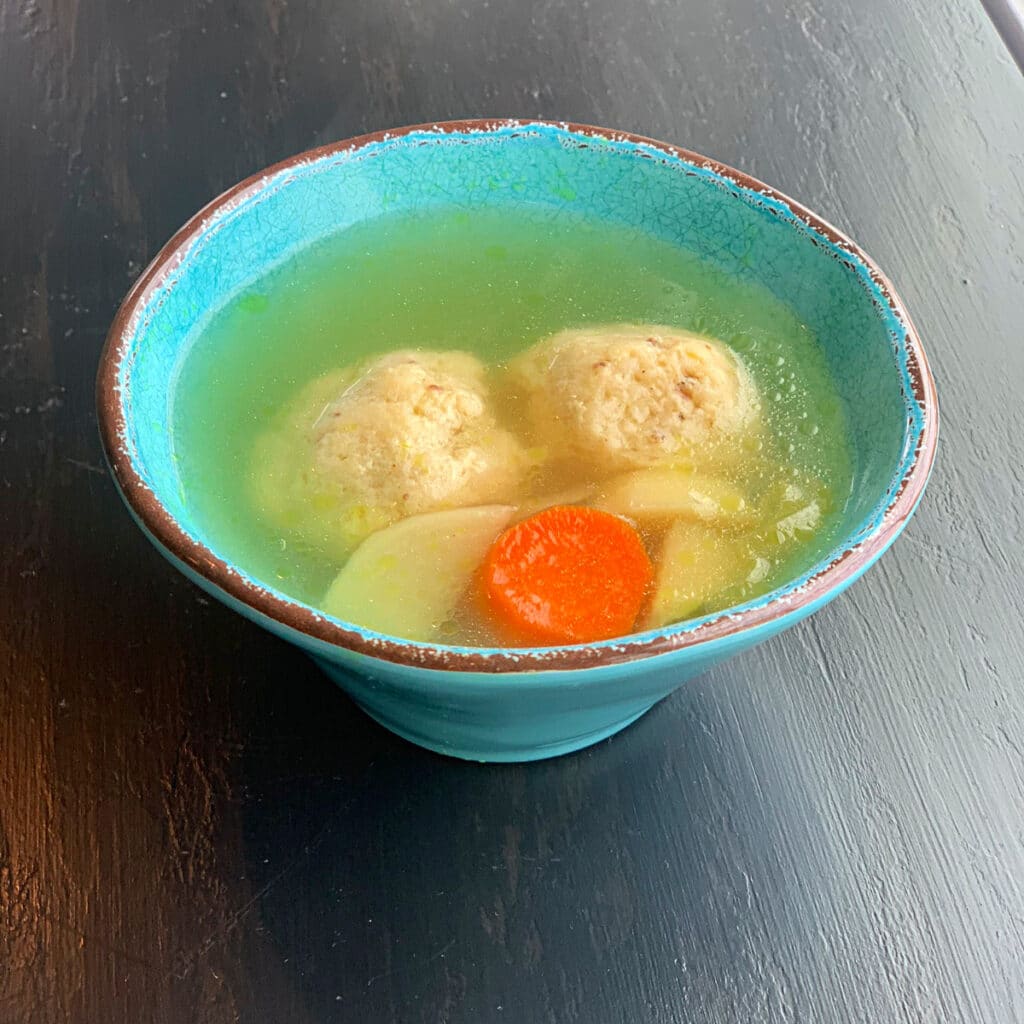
x,y
572,174
196,826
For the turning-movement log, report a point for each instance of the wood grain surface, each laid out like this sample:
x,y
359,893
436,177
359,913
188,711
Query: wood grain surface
x,y
196,827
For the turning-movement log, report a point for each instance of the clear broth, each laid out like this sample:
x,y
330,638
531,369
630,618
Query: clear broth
x,y
491,283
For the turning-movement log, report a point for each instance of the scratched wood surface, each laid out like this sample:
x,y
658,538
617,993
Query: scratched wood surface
x,y
195,827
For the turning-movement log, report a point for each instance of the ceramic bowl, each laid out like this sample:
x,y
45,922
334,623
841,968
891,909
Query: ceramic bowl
x,y
512,705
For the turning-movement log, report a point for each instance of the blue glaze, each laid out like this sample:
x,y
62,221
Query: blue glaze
x,y
527,715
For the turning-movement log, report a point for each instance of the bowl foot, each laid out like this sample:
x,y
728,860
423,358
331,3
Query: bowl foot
x,y
492,719
537,752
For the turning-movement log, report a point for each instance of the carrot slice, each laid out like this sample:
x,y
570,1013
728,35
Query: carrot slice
x,y
569,574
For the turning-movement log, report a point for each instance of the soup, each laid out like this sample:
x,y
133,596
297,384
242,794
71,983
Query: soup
x,y
508,428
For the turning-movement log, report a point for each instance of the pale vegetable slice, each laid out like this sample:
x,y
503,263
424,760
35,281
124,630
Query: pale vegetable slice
x,y
652,494
699,565
569,496
407,580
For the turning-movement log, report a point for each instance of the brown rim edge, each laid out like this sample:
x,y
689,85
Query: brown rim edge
x,y
165,529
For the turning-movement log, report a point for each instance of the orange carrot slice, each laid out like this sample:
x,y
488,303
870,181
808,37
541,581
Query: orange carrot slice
x,y
569,574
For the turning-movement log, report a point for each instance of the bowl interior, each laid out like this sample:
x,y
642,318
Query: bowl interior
x,y
730,222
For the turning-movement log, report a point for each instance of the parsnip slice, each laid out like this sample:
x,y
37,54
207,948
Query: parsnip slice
x,y
698,564
406,580
570,496
652,494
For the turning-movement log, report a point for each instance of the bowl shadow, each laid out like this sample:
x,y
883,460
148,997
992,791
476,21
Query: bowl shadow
x,y
396,884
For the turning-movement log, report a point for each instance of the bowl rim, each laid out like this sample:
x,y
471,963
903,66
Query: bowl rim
x,y
164,530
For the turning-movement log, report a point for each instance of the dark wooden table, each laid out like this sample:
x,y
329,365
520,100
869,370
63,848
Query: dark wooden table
x,y
196,827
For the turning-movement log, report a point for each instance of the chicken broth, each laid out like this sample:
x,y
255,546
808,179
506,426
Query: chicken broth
x,y
361,426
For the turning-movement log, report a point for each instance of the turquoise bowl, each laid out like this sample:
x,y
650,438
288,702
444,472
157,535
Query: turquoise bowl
x,y
522,704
